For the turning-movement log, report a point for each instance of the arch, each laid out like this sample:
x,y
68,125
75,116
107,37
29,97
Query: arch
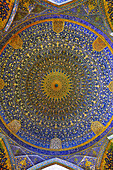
x,y
53,161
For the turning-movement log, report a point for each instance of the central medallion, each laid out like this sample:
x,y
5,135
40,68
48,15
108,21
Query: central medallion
x,y
56,85
57,88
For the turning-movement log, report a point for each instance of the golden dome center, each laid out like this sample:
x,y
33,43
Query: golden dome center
x,y
56,85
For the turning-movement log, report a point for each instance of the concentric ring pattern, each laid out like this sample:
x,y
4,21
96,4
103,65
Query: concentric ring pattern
x,y
56,84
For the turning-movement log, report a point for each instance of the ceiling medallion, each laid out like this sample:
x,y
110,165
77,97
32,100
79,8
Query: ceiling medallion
x,y
56,85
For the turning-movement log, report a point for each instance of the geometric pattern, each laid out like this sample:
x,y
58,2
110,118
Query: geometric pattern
x,y
7,12
89,86
56,84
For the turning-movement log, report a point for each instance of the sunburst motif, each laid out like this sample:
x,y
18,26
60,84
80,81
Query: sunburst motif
x,y
56,85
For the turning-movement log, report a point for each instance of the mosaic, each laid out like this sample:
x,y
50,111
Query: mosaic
x,y
3,158
7,161
7,12
109,158
55,161
56,85
107,12
59,5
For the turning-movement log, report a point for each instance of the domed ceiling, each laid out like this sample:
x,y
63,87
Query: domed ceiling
x,y
57,84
